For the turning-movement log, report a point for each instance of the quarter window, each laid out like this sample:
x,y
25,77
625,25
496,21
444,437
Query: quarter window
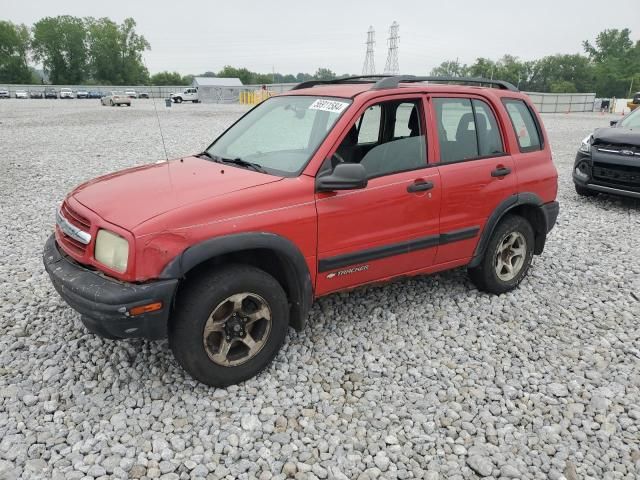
x,y
369,128
524,125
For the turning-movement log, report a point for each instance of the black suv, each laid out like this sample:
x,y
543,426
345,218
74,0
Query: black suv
x,y
608,160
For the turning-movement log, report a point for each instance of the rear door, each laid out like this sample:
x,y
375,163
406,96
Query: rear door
x,y
476,171
390,227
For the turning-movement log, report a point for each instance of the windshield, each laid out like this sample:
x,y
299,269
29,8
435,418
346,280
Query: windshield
x,y
281,134
632,120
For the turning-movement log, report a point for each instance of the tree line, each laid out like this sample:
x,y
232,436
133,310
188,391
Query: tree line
x,y
75,50
610,67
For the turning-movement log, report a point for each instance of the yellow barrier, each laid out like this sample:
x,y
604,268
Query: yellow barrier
x,y
253,97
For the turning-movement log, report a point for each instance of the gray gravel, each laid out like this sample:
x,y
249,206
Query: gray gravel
x,y
425,378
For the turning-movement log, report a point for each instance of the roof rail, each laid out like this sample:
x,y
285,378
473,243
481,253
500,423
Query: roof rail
x,y
393,82
358,79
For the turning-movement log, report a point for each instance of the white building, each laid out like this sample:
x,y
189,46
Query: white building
x,y
217,90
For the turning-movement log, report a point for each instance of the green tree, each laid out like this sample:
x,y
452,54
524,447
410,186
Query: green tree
x,y
617,61
60,43
14,45
168,78
131,48
104,48
450,68
324,74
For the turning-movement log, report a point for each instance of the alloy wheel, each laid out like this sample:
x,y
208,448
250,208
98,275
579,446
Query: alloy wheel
x,y
510,256
237,329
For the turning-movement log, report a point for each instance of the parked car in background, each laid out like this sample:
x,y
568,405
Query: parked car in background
x,y
116,98
224,250
131,93
50,93
635,101
21,94
187,95
66,93
95,94
4,93
143,95
82,94
36,94
608,160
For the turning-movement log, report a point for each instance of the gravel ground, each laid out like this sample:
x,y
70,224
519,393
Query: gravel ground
x,y
425,378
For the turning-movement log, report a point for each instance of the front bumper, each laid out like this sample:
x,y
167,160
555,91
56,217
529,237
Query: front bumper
x,y
104,303
600,186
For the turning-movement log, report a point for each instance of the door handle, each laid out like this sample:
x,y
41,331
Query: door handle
x,y
501,172
419,187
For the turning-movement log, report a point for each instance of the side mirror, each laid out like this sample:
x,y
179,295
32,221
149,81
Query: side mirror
x,y
345,176
613,123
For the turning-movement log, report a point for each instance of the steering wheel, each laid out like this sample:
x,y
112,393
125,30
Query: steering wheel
x,y
336,159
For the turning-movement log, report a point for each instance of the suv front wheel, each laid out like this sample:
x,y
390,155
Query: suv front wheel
x,y
229,325
507,257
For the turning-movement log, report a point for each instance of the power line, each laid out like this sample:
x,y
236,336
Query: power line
x,y
369,67
392,67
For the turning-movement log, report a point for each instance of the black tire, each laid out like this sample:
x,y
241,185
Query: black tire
x,y
111,103
584,192
178,99
200,297
485,276
194,101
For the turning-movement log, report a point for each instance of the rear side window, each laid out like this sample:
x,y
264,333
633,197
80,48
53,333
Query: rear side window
x,y
467,129
524,124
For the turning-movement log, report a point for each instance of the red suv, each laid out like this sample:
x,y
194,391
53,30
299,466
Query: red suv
x,y
328,187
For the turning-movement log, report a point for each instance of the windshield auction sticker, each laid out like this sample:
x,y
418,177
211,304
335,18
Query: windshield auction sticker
x,y
328,105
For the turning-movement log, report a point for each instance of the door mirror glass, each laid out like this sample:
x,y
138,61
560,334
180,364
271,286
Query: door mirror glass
x,y
345,176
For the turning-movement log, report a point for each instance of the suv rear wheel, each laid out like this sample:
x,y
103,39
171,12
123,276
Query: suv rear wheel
x,y
228,326
507,257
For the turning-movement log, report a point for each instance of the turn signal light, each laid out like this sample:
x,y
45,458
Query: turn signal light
x,y
151,307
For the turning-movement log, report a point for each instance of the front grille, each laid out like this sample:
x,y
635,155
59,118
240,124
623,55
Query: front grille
x,y
73,217
624,176
618,149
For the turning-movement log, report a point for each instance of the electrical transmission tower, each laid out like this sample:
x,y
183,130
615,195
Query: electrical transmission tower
x,y
392,67
369,67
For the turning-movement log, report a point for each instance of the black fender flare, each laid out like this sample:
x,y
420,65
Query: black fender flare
x,y
507,205
297,276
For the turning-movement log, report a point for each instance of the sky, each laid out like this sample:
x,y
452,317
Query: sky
x,y
289,36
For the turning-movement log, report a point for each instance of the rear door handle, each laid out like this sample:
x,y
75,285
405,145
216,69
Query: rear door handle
x,y
419,187
501,172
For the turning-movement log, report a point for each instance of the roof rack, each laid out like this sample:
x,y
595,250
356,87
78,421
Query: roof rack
x,y
393,82
383,82
345,80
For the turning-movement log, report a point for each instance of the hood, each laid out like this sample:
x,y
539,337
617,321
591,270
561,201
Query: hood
x,y
130,197
617,136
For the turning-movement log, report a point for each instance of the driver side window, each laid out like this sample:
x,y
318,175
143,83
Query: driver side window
x,y
388,138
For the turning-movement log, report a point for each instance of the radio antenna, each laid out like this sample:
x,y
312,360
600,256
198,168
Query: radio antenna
x,y
155,108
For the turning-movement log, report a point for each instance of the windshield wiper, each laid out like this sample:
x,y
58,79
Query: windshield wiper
x,y
208,155
243,163
235,161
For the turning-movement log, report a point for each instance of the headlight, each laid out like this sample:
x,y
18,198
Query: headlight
x,y
585,146
112,250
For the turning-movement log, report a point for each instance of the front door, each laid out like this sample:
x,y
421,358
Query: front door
x,y
390,227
